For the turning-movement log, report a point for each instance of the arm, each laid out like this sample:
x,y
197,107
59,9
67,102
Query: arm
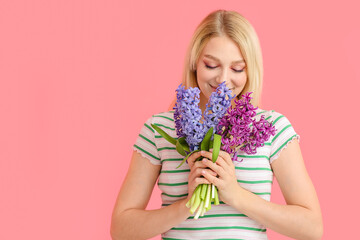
x,y
130,220
300,218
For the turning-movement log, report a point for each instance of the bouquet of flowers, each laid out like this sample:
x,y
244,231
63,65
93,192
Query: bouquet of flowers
x,y
223,127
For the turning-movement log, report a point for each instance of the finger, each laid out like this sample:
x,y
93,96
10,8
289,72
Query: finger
x,y
202,180
196,172
222,163
226,156
209,156
199,164
212,179
213,166
206,154
196,182
191,159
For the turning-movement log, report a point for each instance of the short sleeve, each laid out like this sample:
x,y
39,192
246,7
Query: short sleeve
x,y
145,143
285,133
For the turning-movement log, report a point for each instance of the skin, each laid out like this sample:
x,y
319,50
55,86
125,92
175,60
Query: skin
x,y
300,218
220,60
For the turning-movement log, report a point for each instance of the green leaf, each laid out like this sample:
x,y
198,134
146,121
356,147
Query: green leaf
x,y
187,158
211,144
184,144
206,141
180,149
164,134
216,147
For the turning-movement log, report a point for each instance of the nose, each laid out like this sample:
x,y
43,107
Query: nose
x,y
223,76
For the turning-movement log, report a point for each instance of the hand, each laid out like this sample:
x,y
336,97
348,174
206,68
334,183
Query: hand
x,y
195,177
226,182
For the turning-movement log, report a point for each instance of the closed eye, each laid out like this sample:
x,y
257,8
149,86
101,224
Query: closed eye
x,y
238,71
209,66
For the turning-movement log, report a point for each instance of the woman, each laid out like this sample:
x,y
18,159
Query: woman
x,y
224,47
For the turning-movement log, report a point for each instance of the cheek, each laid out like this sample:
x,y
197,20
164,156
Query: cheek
x,y
205,76
240,81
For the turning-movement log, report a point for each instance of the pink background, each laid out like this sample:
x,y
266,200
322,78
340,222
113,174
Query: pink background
x,y
79,78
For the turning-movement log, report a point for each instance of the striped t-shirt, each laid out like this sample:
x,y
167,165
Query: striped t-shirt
x,y
253,172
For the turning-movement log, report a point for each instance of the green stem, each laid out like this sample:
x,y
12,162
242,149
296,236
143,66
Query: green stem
x,y
207,200
213,191
199,210
238,147
196,202
216,201
203,191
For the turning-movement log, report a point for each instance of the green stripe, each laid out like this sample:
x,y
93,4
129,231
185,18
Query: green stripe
x,y
283,145
280,133
255,182
175,171
253,169
169,195
168,148
260,112
262,193
150,128
229,227
164,117
173,184
172,159
253,156
146,152
161,125
281,116
147,140
219,215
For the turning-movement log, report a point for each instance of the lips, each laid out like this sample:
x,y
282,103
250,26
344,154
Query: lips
x,y
214,88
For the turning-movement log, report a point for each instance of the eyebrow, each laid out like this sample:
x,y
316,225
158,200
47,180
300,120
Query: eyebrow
x,y
216,59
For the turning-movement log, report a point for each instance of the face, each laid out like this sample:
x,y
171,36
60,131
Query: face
x,y
220,60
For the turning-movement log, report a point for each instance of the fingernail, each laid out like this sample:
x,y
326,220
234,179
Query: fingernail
x,y
204,160
203,171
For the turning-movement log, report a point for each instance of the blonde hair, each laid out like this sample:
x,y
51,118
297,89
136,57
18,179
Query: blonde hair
x,y
236,27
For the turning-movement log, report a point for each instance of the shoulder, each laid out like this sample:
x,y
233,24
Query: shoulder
x,y
260,111
163,117
163,120
284,132
166,118
279,120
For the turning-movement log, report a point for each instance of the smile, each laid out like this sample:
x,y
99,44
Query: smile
x,y
214,88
